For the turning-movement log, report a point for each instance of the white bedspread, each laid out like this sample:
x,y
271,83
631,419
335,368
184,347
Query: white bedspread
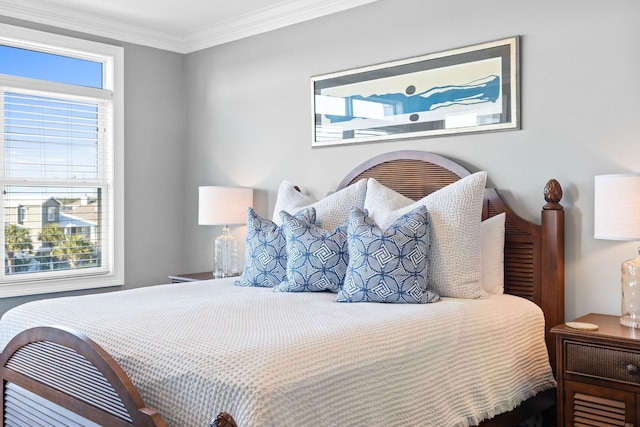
x,y
300,359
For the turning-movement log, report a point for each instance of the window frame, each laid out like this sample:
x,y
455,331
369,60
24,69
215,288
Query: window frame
x,y
113,80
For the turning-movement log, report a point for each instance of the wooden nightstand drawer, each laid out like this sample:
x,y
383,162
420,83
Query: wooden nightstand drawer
x,y
602,362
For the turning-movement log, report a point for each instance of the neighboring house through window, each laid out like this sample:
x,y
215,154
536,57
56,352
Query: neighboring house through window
x,y
61,124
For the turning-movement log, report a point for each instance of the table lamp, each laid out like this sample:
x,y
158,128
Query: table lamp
x,y
224,206
617,217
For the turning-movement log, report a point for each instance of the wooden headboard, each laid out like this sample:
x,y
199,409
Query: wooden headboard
x,y
533,253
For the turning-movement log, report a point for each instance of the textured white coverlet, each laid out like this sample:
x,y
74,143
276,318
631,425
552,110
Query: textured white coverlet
x,y
301,359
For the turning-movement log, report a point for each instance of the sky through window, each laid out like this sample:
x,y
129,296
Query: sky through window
x,y
46,66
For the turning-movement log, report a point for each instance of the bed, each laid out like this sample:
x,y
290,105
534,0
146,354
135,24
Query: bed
x,y
215,353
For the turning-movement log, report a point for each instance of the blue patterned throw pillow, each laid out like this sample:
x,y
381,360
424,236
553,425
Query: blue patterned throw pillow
x,y
266,250
316,258
388,266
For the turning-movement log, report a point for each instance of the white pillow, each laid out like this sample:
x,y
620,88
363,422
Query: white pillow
x,y
454,213
492,254
331,211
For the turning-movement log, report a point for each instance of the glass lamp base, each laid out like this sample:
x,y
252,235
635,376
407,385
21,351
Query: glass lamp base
x,y
225,258
631,293
630,322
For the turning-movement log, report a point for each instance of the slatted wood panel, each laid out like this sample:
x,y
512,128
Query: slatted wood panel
x,y
590,406
597,411
71,375
26,409
68,372
407,177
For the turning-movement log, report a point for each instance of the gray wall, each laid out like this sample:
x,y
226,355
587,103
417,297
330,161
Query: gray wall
x,y
248,105
154,165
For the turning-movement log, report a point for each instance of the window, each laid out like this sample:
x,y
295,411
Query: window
x,y
51,213
60,162
22,214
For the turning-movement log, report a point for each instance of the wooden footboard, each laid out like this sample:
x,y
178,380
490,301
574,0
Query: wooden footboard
x,y
56,375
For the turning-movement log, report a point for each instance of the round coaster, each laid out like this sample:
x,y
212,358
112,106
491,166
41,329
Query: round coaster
x,y
582,325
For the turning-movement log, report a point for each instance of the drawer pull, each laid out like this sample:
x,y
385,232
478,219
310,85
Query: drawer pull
x,y
632,369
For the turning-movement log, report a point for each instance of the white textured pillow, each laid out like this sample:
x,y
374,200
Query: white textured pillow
x,y
331,211
492,254
454,214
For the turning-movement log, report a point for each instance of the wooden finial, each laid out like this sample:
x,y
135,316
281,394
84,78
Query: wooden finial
x,y
553,194
223,420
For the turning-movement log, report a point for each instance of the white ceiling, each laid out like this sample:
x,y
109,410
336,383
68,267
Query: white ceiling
x,y
177,25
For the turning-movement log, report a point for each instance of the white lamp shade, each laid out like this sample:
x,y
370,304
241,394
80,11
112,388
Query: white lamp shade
x,y
223,205
617,207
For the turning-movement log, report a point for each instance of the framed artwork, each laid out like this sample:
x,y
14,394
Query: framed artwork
x,y
469,89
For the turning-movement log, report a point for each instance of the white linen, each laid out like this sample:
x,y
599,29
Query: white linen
x,y
301,359
492,254
331,211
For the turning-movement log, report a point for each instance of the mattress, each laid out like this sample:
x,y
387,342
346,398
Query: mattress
x,y
301,359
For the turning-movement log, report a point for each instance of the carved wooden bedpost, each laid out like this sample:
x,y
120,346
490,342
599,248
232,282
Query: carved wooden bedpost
x,y
552,262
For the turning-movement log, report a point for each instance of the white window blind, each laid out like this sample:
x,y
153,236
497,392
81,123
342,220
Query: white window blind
x,y
52,136
59,181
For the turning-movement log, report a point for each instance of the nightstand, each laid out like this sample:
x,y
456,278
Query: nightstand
x,y
598,373
191,277
194,277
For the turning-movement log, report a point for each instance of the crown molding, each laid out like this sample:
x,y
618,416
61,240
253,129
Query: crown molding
x,y
217,33
90,24
265,20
